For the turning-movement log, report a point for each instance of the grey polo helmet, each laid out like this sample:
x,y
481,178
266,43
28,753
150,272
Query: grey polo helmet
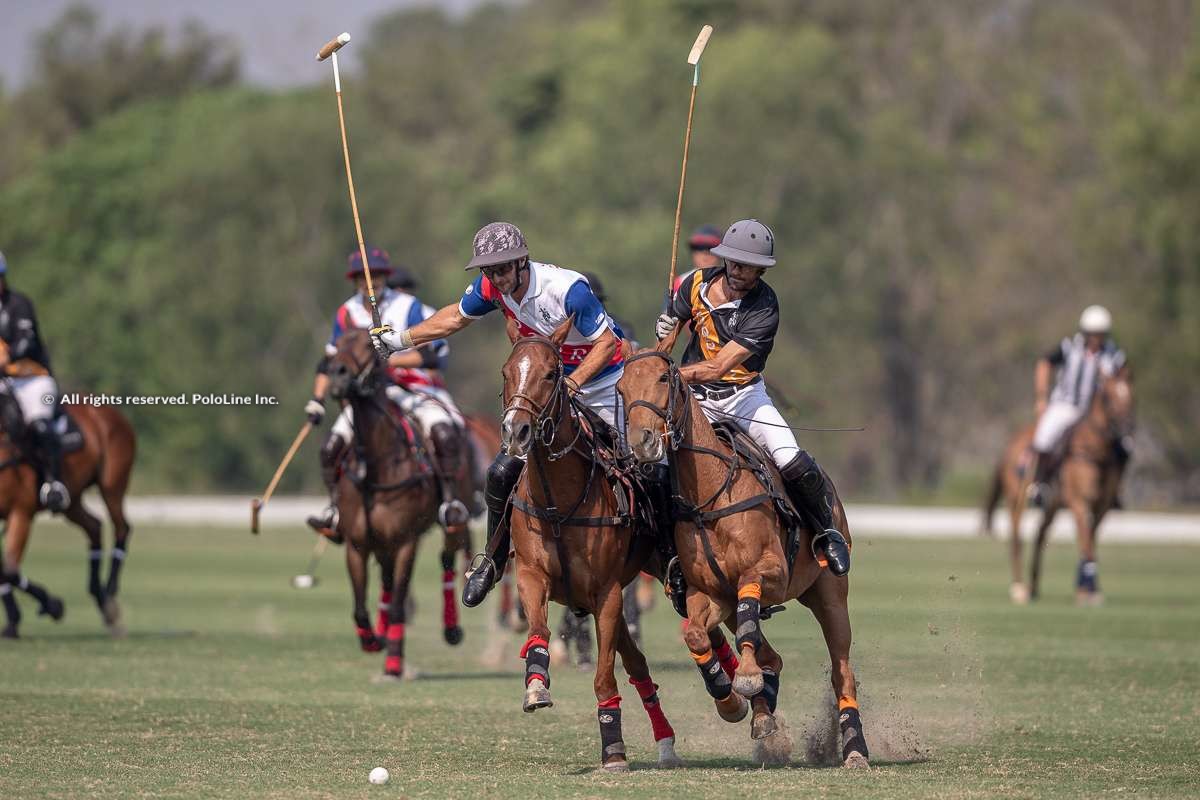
x,y
749,242
497,243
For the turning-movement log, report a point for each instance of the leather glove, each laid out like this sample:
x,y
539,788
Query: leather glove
x,y
387,340
315,409
664,325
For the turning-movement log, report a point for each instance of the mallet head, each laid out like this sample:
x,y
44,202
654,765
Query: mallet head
x,y
333,45
698,47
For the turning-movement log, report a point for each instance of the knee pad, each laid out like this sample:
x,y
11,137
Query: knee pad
x,y
804,472
502,477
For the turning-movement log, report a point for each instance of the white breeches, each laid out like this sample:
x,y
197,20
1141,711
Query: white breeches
x,y
32,394
429,405
1056,421
601,396
761,420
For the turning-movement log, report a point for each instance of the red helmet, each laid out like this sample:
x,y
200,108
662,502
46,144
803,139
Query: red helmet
x,y
377,261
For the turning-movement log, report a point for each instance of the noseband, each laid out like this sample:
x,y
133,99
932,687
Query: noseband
x,y
677,414
548,416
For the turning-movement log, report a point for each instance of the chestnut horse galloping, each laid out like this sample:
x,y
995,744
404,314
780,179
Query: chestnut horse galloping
x,y
1088,483
387,496
732,548
574,540
105,461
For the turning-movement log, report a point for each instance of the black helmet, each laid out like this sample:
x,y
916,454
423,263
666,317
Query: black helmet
x,y
401,278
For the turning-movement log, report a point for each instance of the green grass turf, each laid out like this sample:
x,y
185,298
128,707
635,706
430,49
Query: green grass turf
x,y
232,684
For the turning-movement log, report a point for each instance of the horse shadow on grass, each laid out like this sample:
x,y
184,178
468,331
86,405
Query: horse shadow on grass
x,y
735,764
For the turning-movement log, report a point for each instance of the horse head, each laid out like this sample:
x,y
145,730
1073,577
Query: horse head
x,y
655,401
534,391
353,368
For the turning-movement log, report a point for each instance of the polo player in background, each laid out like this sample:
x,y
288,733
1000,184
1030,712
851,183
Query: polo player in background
x,y
1080,362
26,366
419,389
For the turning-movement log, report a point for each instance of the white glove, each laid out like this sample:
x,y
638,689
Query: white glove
x,y
388,341
665,324
315,409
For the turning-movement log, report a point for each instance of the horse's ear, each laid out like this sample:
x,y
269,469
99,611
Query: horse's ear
x,y
513,330
560,333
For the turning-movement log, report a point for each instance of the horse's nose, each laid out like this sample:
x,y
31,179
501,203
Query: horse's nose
x,y
522,433
647,438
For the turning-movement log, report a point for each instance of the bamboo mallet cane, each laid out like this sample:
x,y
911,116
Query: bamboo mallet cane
x,y
329,50
693,59
257,503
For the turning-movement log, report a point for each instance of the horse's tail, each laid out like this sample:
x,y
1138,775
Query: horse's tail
x,y
993,497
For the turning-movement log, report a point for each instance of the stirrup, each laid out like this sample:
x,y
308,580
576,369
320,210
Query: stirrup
x,y
452,513
327,521
477,563
54,496
818,543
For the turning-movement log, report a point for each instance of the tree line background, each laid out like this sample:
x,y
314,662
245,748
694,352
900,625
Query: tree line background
x,y
950,183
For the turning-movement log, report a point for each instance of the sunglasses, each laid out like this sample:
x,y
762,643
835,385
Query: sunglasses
x,y
499,269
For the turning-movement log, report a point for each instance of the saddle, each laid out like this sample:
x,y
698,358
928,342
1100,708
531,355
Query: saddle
x,y
752,456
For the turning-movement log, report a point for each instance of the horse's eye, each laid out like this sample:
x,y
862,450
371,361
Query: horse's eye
x,y
663,378
551,375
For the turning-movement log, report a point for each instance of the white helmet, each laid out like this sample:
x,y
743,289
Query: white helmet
x,y
1095,319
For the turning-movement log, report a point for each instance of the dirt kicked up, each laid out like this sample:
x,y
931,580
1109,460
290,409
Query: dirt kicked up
x,y
232,684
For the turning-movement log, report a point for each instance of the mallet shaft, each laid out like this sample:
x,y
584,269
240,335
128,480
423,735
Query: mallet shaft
x,y
287,459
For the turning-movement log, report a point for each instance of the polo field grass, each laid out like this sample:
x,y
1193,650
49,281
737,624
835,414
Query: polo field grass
x,y
230,683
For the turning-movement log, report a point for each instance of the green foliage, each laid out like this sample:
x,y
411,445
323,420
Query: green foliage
x,y
949,184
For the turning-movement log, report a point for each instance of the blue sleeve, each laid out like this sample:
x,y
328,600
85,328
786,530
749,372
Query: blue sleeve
x,y
473,305
418,312
590,317
336,334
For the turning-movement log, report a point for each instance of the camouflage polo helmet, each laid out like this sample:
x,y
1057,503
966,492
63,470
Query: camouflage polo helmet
x,y
748,242
497,243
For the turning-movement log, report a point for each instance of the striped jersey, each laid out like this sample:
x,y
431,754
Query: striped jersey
x,y
1079,370
401,310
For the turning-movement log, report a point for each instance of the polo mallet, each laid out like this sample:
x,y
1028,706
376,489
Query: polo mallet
x,y
329,50
693,59
308,578
257,503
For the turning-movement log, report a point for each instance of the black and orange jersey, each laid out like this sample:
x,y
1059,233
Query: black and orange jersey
x,y
751,322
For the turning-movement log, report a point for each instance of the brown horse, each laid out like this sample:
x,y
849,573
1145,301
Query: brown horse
x,y
1088,483
387,495
732,549
104,460
574,540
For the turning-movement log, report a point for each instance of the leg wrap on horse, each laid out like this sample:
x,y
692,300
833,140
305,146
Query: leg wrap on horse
x,y
648,691
770,691
12,612
95,561
1085,576
851,725
728,658
608,712
748,609
381,616
393,664
716,682
116,560
536,653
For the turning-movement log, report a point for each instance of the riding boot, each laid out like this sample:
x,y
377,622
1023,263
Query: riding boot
x,y
326,522
54,494
809,488
448,458
488,567
658,486
1045,465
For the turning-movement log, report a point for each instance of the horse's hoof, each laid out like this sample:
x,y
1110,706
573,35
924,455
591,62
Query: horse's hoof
x,y
53,608
118,630
370,645
111,611
536,696
453,635
763,725
388,678
1019,594
667,757
748,685
733,708
856,760
616,765
9,632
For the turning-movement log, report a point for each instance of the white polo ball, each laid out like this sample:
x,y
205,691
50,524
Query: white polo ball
x,y
379,775
302,581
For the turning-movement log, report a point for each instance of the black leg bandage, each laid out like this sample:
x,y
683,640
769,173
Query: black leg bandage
x,y
852,735
748,631
770,691
611,744
537,661
12,612
716,682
